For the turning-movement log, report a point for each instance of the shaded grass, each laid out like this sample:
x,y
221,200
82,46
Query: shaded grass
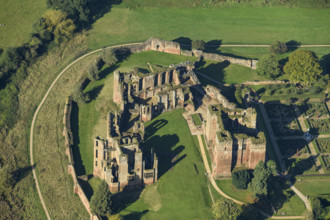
x,y
227,187
250,25
18,17
183,191
225,72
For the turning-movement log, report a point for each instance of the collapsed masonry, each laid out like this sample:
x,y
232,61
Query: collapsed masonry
x,y
119,159
232,135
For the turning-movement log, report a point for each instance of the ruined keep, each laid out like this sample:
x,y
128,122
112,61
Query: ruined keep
x,y
232,137
118,158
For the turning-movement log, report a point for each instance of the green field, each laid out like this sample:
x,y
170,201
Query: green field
x,y
18,17
182,187
243,25
313,186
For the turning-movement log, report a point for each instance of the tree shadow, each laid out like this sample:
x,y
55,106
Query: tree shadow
x,y
135,215
325,63
300,165
214,44
106,71
292,45
185,42
21,173
94,93
249,211
74,120
99,9
280,193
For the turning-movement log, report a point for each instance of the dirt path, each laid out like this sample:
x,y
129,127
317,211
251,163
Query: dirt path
x,y
36,114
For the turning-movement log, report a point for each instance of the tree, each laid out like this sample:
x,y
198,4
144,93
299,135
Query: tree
x,y
241,179
303,67
101,200
93,72
268,66
109,56
198,45
278,48
78,94
272,166
226,209
316,206
56,22
260,182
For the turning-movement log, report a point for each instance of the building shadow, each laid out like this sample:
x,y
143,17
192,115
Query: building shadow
x,y
185,42
135,215
121,200
74,120
214,70
167,152
154,127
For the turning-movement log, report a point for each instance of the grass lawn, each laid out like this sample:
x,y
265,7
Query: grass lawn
x,y
18,17
182,187
229,73
314,186
197,120
250,25
227,187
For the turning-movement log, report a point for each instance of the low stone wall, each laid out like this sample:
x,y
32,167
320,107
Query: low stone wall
x,y
67,133
174,48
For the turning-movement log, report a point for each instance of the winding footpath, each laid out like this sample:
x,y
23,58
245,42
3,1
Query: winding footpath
x,y
38,109
199,138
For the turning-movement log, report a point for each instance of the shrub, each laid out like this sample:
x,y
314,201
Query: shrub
x,y
268,66
198,45
316,206
278,48
241,179
109,56
101,200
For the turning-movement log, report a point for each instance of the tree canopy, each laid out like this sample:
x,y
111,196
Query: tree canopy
x,y
241,179
198,45
56,22
303,67
278,48
260,182
101,200
226,209
268,66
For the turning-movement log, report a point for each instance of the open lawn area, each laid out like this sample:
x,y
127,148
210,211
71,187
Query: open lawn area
x,y
314,186
240,25
18,17
227,187
181,191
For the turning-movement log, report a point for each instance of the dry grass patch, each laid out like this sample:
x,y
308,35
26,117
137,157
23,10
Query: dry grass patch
x,y
151,197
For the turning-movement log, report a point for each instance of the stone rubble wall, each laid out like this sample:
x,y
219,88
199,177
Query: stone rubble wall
x,y
175,48
67,133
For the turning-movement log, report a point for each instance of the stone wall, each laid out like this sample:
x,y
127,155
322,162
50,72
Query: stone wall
x,y
174,48
67,133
